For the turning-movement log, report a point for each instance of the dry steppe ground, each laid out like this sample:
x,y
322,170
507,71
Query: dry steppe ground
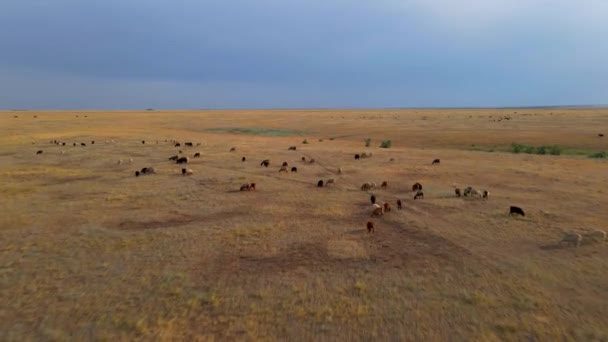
x,y
90,252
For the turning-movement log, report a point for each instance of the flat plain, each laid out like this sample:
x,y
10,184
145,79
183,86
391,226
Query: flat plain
x,y
88,251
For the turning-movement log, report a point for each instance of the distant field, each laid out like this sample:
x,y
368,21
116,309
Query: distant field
x,y
88,251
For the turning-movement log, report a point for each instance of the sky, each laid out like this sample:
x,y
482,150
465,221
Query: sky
x,y
216,54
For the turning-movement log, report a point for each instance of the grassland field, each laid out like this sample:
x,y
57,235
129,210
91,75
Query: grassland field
x,y
88,251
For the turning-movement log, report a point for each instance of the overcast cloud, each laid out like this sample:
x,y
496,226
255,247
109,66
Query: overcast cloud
x,y
311,53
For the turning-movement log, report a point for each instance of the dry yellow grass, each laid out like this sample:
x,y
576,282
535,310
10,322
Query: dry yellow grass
x,y
88,251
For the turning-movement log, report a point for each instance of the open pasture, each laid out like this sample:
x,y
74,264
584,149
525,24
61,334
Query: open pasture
x,y
89,251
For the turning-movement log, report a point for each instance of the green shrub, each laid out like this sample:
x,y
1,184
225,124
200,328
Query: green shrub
x,y
599,155
386,144
555,150
529,149
368,141
517,148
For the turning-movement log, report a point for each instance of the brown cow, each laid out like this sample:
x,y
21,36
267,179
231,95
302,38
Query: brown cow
x,y
265,162
387,207
370,227
233,149
245,187
384,185
285,164
251,186
243,159
283,169
399,204
304,159
294,169
436,161
416,187
39,152
457,192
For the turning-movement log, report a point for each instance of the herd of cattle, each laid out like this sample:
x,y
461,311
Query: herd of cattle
x,y
571,238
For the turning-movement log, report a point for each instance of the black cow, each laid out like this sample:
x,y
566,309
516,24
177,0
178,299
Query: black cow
x,y
39,152
173,158
265,162
92,142
74,144
320,184
243,159
294,169
357,157
292,148
83,144
285,164
516,210
399,204
436,161
373,199
416,187
182,160
188,144
600,135
136,173
178,144
197,155
143,141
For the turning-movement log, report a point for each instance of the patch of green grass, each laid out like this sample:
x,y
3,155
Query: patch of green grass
x,y
274,132
529,149
386,144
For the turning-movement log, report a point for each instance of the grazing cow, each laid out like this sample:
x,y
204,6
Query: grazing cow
x,y
92,142
311,161
265,162
330,181
197,155
245,187
243,159
398,204
232,149
136,173
83,144
174,157
285,164
148,170
283,169
188,144
387,207
485,194
596,236
384,185
187,172
304,159
419,194
292,148
601,135
178,145
416,187
143,142
366,187
39,152
472,192
457,192
516,210
73,144
357,157
251,186
320,184
572,239
294,169
62,144
182,160
392,159
436,161
377,212
370,227
372,199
